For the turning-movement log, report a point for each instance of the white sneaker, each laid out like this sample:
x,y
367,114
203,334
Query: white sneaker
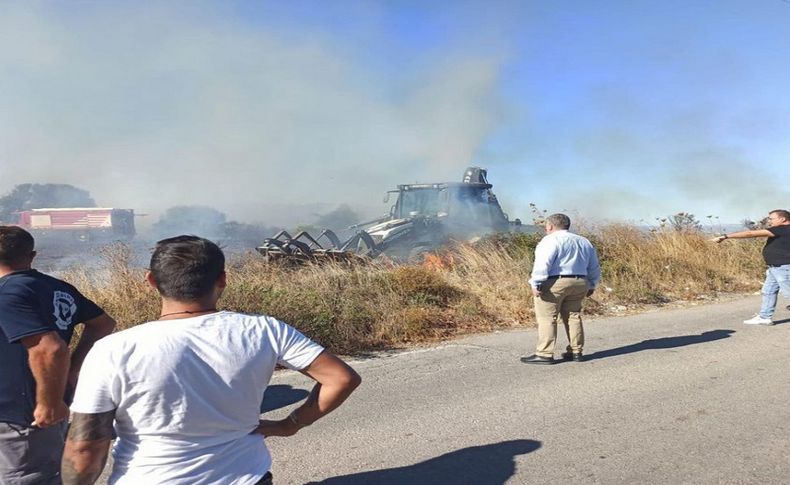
x,y
758,320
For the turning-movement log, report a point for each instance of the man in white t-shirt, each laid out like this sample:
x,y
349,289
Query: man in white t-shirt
x,y
184,391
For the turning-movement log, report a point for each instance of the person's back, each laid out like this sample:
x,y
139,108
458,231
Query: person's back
x,y
184,392
52,304
565,270
562,251
187,395
572,249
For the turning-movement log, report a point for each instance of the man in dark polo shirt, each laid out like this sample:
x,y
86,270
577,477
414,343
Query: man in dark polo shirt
x,y
777,256
37,318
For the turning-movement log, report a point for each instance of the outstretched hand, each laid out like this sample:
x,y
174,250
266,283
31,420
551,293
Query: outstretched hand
x,y
718,239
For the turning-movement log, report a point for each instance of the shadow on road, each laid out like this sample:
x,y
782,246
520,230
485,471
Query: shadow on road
x,y
663,343
490,464
281,395
781,322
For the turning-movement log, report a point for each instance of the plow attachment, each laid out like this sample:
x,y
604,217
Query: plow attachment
x,y
326,247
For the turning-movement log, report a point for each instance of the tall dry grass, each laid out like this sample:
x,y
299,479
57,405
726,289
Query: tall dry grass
x,y
472,287
663,266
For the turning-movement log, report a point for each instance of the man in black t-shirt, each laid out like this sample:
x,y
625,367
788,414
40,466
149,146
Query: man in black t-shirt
x,y
37,318
777,256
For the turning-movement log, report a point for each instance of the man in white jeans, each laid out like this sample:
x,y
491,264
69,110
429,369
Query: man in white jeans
x,y
183,392
776,253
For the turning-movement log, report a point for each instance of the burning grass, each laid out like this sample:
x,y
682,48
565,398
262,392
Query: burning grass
x,y
468,288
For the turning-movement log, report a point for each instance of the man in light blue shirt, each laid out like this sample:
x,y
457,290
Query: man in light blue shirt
x,y
565,271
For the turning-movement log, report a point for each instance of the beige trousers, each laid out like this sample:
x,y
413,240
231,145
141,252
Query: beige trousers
x,y
560,297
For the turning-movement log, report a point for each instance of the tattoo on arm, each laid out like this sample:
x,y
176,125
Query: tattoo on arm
x,y
86,447
70,476
91,427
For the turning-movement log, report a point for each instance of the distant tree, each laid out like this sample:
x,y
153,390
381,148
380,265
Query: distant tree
x,y
684,222
337,219
38,196
190,219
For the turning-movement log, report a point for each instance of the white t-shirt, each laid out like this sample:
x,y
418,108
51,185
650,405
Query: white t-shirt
x,y
187,394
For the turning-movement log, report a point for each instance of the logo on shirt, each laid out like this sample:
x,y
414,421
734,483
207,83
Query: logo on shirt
x,y
65,308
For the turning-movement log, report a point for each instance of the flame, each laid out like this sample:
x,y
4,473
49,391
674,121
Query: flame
x,y
438,262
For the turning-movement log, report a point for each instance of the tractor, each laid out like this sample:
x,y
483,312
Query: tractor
x,y
423,218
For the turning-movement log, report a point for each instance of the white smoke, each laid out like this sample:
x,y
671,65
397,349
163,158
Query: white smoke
x,y
167,104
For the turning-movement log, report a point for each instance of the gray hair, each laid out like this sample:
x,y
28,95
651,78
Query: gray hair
x,y
560,221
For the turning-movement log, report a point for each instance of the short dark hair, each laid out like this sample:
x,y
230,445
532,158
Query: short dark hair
x,y
559,220
15,244
781,213
185,268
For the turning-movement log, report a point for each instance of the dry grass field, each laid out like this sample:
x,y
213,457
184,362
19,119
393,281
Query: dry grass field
x,y
468,288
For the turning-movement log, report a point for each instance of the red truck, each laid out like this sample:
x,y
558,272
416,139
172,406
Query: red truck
x,y
79,224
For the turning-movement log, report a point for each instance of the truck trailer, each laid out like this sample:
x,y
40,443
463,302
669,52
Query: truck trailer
x,y
79,224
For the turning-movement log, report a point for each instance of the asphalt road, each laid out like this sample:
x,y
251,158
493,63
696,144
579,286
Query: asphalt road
x,y
684,396
681,396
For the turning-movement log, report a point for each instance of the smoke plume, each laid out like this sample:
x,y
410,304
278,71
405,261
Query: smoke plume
x,y
150,106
